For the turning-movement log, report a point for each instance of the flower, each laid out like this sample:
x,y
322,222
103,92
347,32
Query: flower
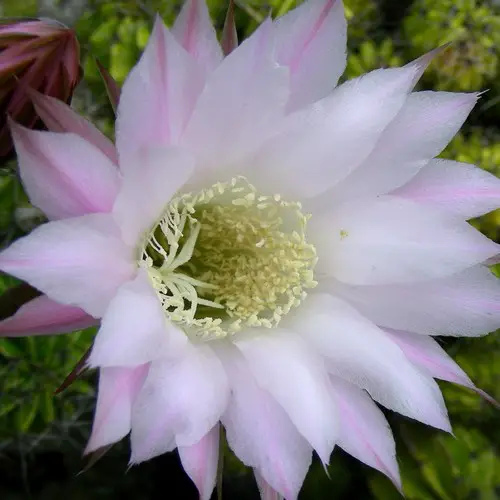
x,y
265,251
39,54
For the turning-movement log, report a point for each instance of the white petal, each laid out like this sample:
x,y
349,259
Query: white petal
x,y
118,388
422,129
322,144
465,304
259,430
158,96
357,351
134,329
180,402
148,187
393,240
364,431
200,461
266,491
193,29
241,104
80,261
311,41
458,188
285,366
64,175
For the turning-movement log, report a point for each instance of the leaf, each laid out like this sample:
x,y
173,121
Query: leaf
x,y
27,413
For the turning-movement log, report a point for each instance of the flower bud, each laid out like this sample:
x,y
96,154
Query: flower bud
x,y
39,54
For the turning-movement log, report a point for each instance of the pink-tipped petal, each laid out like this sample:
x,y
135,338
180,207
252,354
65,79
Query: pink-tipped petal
x,y
320,145
266,491
80,262
158,96
465,304
360,353
59,117
364,431
43,316
422,129
118,388
423,61
311,41
64,175
458,188
200,461
303,393
193,29
134,329
260,432
389,240
181,401
241,105
152,177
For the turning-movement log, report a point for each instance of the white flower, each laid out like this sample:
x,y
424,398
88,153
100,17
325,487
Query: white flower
x,y
266,251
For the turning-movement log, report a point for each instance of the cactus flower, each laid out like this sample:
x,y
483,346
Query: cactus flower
x,y
38,54
265,250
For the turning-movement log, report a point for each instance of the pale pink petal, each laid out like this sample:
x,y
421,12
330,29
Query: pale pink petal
x,y
59,117
285,365
193,29
426,354
43,316
425,125
387,240
64,175
311,41
364,431
357,351
241,105
180,402
459,188
321,145
158,95
260,432
147,188
134,329
80,261
266,491
200,461
118,388
465,304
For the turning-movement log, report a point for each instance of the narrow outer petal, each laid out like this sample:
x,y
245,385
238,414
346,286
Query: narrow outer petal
x,y
193,29
64,175
59,117
266,491
454,187
311,41
388,240
118,388
284,365
43,316
80,261
364,431
134,329
181,401
200,462
158,96
259,431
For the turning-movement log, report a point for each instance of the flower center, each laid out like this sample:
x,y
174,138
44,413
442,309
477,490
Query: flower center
x,y
226,258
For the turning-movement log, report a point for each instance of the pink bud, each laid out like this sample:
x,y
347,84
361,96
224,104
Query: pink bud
x,y
34,54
